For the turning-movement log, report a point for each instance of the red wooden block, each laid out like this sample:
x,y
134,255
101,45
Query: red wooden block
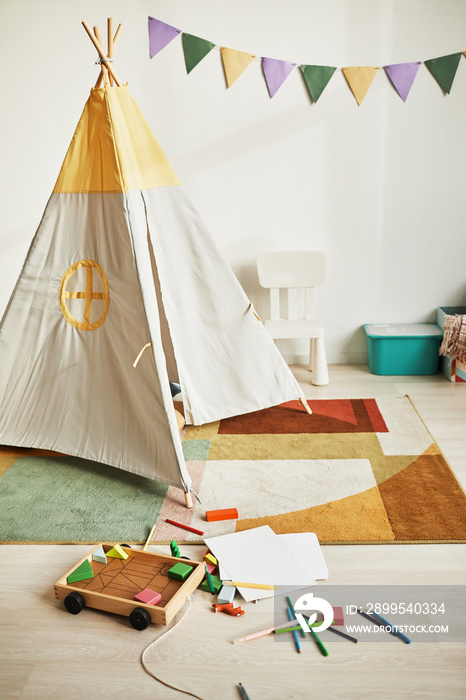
x,y
225,514
338,617
148,596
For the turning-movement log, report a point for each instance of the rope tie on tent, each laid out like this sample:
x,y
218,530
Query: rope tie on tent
x,y
104,60
135,363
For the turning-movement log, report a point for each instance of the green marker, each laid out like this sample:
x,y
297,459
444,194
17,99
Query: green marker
x,y
296,628
318,642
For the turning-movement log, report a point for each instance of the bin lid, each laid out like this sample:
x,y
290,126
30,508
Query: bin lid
x,y
405,330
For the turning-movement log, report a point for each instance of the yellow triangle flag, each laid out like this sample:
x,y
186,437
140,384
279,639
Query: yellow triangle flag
x,y
235,63
360,78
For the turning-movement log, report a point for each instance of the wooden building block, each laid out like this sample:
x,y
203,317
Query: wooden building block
x,y
225,514
148,596
338,617
210,559
216,583
226,594
117,553
99,555
180,572
210,568
174,549
82,573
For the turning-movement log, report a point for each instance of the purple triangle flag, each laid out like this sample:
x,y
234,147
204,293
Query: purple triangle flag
x,y
402,76
160,34
276,72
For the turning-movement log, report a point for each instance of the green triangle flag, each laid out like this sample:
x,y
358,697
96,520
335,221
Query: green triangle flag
x,y
444,69
195,49
317,78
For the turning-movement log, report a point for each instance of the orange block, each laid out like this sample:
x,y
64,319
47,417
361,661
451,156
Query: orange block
x,y
226,514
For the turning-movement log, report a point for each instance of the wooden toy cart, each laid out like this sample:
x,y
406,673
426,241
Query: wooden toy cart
x,y
114,585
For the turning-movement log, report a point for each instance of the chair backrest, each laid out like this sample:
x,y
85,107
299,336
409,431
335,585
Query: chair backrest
x,y
291,270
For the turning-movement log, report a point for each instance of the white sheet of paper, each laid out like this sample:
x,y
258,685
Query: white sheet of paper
x,y
259,556
305,546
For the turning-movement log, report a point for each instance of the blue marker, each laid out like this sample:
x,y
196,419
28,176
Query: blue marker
x,y
295,635
392,629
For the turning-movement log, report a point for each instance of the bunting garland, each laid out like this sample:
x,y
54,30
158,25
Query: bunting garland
x,y
360,78
276,72
160,35
316,77
235,63
402,77
195,49
444,70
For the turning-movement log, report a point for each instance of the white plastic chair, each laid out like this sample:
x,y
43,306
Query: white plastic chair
x,y
293,270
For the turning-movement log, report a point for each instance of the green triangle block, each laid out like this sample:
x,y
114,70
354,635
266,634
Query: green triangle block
x,y
83,572
317,78
195,49
444,69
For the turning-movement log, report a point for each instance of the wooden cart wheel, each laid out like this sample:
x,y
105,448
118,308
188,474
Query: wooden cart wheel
x,y
74,602
140,618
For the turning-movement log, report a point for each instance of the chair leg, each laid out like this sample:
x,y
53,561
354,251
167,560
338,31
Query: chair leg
x,y
311,354
319,362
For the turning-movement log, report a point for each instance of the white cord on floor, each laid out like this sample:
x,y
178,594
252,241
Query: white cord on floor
x,y
147,670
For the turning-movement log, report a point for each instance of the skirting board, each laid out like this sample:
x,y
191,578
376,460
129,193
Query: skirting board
x,y
340,358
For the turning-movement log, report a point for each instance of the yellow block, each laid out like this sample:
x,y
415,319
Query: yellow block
x,y
113,148
117,553
210,559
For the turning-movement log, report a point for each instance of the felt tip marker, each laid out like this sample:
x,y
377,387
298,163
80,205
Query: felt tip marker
x,y
185,527
392,629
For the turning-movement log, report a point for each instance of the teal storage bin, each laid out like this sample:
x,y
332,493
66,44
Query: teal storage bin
x,y
403,348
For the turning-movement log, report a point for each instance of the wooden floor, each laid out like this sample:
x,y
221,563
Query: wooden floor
x,y
47,653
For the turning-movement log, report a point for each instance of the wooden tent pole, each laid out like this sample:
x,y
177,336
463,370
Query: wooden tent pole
x,y
110,53
101,53
305,405
110,41
104,74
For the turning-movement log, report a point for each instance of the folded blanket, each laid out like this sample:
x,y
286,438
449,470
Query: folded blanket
x,y
454,337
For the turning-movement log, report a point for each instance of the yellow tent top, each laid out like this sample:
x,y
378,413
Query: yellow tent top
x,y
113,148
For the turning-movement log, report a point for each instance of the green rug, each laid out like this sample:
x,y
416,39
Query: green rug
x,y
355,471
46,499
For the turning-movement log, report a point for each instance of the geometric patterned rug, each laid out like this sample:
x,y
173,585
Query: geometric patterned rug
x,y
356,471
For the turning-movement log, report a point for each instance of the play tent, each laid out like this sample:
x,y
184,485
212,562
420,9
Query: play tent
x,y
121,261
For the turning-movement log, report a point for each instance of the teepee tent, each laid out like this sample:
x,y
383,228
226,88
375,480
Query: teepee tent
x,y
121,261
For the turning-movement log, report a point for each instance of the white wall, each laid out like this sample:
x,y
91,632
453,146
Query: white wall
x,y
379,187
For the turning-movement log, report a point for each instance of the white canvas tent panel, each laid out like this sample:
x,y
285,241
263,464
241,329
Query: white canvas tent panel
x,y
74,391
227,364
87,301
